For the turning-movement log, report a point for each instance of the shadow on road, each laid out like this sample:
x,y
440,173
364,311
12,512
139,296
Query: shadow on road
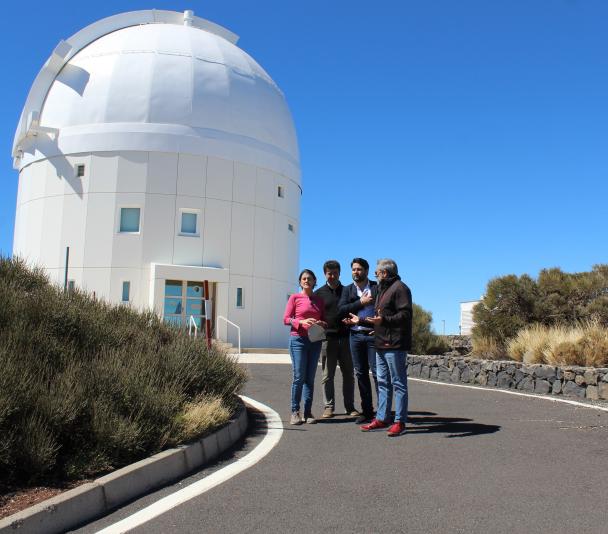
x,y
455,427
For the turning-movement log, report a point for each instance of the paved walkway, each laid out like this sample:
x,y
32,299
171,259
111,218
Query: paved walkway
x,y
473,461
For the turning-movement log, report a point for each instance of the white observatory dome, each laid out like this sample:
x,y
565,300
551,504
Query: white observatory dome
x,y
159,168
163,86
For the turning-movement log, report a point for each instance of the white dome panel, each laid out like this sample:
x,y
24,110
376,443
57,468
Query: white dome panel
x,y
166,74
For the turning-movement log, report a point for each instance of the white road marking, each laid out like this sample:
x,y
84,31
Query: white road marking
x,y
509,392
284,358
270,440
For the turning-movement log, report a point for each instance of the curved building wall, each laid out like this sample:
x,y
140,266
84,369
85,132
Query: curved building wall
x,y
161,113
244,229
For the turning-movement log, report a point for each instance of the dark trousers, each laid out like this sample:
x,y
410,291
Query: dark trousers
x,y
363,350
336,351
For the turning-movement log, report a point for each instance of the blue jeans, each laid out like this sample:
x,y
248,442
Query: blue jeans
x,y
304,359
363,351
392,374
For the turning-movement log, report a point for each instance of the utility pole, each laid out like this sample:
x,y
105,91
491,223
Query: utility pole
x,y
67,264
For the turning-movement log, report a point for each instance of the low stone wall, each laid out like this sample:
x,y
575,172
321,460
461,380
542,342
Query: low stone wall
x,y
579,382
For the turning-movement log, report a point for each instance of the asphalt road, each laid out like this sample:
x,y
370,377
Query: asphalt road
x,y
472,461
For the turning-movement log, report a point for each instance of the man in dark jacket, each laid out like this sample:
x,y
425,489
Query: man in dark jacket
x,y
393,328
336,349
357,302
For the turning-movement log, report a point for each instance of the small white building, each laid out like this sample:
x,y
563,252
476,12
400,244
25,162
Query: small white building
x,y
164,157
466,317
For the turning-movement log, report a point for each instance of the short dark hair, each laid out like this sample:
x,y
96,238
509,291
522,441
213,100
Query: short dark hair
x,y
331,265
361,262
307,271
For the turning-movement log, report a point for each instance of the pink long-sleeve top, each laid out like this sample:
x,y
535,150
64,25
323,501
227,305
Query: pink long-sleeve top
x,y
301,306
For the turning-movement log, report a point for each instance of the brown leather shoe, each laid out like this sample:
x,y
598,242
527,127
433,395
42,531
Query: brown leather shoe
x,y
328,413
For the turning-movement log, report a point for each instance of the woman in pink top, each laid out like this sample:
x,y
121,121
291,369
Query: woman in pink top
x,y
302,311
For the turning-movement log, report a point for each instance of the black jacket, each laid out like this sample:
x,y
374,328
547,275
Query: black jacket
x,y
394,305
350,303
331,297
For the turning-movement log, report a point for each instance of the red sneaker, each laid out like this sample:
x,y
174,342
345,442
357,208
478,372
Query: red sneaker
x,y
376,424
396,429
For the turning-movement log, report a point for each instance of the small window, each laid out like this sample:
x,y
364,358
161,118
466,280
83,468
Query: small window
x,y
126,291
239,297
290,227
71,286
189,223
281,191
80,170
129,220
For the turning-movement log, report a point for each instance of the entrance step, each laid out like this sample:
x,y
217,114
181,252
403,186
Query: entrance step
x,y
256,350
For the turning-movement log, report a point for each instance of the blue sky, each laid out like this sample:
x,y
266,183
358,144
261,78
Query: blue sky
x,y
465,139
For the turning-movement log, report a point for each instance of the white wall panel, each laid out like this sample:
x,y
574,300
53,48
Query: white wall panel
x,y
265,190
240,316
117,277
279,248
242,239
54,183
188,250
162,173
100,230
51,254
293,199
127,249
132,172
73,228
104,172
260,318
159,223
219,178
244,183
33,182
97,280
31,231
263,242
279,333
76,184
191,175
216,233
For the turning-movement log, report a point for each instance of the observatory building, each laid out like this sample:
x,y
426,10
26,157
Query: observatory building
x,y
163,157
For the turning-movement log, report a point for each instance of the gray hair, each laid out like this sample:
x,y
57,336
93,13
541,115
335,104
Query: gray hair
x,y
388,265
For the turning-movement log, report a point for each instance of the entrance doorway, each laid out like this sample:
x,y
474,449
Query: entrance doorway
x,y
183,299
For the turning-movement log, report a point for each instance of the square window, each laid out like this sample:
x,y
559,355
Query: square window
x,y
126,291
281,191
189,223
239,297
80,170
129,220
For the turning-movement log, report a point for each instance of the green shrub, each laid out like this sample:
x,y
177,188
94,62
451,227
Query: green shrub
x,y
512,303
86,386
424,340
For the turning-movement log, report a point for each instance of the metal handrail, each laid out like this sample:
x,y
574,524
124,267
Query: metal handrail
x,y
238,328
192,323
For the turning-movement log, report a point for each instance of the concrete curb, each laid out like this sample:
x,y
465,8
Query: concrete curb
x,y
94,499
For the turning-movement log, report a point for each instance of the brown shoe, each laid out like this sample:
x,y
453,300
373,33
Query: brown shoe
x,y
354,413
328,413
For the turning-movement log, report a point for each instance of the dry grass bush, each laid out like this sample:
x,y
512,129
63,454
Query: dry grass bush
x,y
529,344
585,344
200,416
487,348
87,387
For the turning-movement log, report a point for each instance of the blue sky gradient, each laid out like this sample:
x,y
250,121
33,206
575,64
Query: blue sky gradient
x,y
466,139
